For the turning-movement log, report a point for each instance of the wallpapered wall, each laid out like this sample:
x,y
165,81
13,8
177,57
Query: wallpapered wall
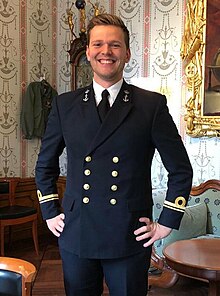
x,y
34,39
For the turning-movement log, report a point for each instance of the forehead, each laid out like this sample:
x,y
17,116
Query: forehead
x,y
106,32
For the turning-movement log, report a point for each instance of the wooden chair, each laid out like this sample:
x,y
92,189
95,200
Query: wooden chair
x,y
13,214
19,276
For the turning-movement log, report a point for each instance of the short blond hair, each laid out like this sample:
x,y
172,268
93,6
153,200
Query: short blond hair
x,y
107,19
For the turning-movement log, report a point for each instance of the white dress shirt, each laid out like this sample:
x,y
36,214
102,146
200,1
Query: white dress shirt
x,y
113,91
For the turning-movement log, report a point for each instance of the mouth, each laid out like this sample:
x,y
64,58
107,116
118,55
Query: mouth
x,y
104,61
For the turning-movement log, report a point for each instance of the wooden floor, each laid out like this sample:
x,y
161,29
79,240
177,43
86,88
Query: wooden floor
x,y
49,278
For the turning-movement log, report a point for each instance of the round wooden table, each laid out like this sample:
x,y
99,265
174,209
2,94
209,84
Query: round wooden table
x,y
199,258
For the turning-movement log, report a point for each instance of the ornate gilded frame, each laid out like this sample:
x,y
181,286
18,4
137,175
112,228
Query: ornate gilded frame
x,y
193,55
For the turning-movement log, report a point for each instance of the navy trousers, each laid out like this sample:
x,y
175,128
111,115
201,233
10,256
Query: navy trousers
x,y
125,276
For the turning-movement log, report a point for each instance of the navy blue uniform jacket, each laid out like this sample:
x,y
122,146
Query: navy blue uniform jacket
x,y
108,184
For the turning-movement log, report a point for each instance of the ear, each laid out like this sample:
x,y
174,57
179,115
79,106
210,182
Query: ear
x,y
87,53
128,55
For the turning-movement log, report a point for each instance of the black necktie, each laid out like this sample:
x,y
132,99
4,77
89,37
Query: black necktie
x,y
103,106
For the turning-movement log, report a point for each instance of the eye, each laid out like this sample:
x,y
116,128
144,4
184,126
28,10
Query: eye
x,y
96,44
116,45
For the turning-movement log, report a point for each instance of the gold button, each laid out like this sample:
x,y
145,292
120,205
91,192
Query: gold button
x,y
115,159
85,200
113,201
114,187
88,158
86,186
87,172
114,174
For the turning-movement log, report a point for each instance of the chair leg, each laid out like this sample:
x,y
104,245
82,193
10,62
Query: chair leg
x,y
35,236
28,289
10,235
2,241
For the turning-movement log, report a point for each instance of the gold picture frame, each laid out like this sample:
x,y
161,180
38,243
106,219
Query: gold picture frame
x,y
193,53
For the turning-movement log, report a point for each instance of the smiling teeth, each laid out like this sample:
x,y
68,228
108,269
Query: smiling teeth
x,y
106,61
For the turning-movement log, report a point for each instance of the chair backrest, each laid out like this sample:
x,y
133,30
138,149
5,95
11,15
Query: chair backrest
x,y
20,267
11,283
8,188
209,193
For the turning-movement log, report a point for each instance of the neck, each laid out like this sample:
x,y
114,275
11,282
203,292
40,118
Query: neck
x,y
106,84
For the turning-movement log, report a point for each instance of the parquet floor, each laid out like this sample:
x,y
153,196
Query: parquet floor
x,y
49,278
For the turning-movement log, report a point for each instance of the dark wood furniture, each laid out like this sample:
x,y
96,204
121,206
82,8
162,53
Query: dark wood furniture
x,y
163,275
15,214
197,258
26,195
26,269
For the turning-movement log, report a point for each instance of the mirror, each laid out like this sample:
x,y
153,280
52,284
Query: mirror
x,y
201,61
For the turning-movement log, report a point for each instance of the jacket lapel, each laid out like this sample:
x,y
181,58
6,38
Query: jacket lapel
x,y
90,122
117,114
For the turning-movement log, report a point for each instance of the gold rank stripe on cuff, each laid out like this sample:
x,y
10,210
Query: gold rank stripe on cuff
x,y
178,205
46,198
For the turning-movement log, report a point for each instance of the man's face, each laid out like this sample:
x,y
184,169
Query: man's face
x,y
107,54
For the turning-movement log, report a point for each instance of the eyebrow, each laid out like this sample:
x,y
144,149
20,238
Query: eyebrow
x,y
111,41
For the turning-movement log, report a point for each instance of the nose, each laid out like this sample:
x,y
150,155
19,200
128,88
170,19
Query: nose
x,y
106,49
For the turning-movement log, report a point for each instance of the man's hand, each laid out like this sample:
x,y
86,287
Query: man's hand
x,y
152,230
56,224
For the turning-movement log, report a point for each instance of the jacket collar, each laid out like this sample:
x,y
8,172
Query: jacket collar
x,y
117,114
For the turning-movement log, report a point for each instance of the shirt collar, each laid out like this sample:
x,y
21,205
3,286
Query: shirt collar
x,y
113,91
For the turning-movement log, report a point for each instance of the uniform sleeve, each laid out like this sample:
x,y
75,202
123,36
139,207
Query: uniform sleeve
x,y
47,168
27,113
176,161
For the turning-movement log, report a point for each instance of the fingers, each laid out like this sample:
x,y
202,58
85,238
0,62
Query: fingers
x,y
150,242
145,220
60,222
56,224
52,228
152,231
62,216
160,231
60,227
145,232
145,235
55,232
146,228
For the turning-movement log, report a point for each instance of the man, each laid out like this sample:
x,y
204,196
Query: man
x,y
105,228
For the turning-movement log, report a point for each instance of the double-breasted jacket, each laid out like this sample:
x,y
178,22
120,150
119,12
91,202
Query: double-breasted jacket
x,y
108,185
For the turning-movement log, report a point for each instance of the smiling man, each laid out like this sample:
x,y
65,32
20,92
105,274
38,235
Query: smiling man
x,y
108,51
110,130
